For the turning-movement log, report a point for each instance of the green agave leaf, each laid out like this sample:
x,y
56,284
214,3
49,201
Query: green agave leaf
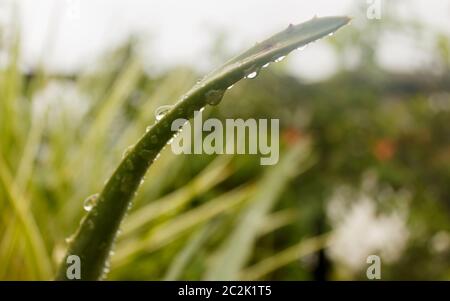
x,y
94,238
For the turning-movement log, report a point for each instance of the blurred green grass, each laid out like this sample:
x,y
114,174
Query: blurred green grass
x,y
223,217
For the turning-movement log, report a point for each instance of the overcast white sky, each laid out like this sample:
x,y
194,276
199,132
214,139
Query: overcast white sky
x,y
67,34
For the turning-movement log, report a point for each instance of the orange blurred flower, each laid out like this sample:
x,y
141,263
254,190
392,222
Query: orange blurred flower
x,y
291,135
384,149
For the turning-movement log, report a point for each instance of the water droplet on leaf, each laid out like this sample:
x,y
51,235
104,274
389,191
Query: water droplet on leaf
x,y
279,59
213,97
90,202
156,157
252,75
69,239
161,111
127,151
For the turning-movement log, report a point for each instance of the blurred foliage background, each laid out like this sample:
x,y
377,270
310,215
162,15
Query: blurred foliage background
x,y
364,169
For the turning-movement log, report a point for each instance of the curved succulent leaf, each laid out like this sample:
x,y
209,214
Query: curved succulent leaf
x,y
94,238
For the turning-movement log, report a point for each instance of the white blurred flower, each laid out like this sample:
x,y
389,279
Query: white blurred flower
x,y
360,231
440,242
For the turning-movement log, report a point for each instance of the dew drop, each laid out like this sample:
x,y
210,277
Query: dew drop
x,y
147,129
156,157
130,204
105,270
252,75
266,65
161,111
230,87
90,201
279,59
213,97
127,151
330,34
69,239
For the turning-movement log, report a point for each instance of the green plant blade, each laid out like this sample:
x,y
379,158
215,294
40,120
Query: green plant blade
x,y
94,238
171,230
237,248
182,259
207,179
286,256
